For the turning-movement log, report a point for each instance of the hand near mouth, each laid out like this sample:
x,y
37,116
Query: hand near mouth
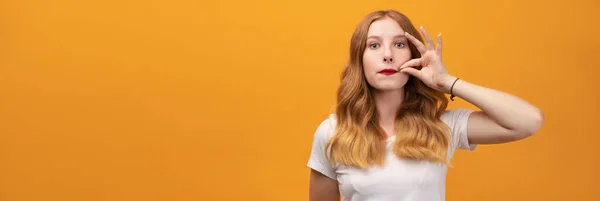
x,y
433,72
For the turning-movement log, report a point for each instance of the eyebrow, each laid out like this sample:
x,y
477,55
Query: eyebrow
x,y
396,36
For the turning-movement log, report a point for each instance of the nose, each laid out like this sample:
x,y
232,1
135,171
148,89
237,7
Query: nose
x,y
388,59
387,56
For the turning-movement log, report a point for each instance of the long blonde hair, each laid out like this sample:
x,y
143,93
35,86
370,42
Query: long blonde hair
x,y
358,138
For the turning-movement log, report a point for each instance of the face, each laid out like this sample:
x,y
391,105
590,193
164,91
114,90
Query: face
x,y
387,49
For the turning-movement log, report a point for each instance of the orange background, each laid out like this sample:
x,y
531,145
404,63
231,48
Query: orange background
x,y
218,100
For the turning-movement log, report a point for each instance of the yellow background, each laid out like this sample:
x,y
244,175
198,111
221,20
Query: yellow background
x,y
218,100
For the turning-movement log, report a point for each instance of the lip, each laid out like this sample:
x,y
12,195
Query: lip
x,y
388,71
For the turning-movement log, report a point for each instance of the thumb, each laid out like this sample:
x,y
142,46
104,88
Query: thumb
x,y
412,62
411,71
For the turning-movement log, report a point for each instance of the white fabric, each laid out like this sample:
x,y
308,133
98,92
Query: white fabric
x,y
396,180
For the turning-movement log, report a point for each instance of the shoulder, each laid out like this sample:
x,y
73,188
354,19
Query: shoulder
x,y
455,116
319,157
457,120
326,128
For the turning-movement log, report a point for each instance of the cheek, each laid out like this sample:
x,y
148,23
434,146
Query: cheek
x,y
403,56
370,62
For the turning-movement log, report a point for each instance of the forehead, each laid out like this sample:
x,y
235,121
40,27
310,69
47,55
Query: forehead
x,y
385,27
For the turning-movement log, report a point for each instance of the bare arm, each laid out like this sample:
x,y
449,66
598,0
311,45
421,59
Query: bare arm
x,y
504,117
322,188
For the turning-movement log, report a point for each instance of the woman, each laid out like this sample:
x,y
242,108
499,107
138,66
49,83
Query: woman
x,y
391,137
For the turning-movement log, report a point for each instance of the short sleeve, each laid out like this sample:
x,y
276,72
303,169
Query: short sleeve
x,y
457,120
318,159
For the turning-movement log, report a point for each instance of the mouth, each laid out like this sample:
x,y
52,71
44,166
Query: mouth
x,y
388,71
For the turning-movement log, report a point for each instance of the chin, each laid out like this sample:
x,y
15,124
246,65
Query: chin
x,y
389,87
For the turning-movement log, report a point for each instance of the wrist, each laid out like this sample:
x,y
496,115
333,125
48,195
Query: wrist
x,y
447,86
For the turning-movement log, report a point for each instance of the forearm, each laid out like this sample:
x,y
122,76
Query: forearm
x,y
505,109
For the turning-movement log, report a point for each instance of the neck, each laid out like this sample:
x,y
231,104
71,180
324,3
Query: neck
x,y
387,104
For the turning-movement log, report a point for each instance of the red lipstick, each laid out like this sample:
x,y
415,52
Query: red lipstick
x,y
388,71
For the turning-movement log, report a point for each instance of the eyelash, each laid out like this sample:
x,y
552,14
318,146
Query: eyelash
x,y
401,43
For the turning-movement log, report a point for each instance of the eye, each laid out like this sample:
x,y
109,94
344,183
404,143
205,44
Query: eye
x,y
374,45
399,45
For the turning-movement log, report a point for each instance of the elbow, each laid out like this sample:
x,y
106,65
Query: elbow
x,y
537,120
531,125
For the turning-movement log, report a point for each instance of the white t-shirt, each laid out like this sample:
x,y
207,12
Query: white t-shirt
x,y
396,180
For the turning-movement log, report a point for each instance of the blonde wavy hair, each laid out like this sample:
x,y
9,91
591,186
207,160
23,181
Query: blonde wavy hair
x,y
358,138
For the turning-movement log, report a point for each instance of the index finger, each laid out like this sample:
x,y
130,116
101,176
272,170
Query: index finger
x,y
416,42
427,38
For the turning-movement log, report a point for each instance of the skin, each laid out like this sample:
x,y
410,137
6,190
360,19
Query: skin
x,y
503,117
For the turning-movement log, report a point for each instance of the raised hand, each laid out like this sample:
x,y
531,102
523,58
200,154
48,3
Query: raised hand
x,y
433,72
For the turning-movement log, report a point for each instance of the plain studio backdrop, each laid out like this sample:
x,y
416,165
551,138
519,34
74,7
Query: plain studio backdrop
x,y
219,100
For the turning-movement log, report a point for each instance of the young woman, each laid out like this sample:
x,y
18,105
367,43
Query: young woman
x,y
391,137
